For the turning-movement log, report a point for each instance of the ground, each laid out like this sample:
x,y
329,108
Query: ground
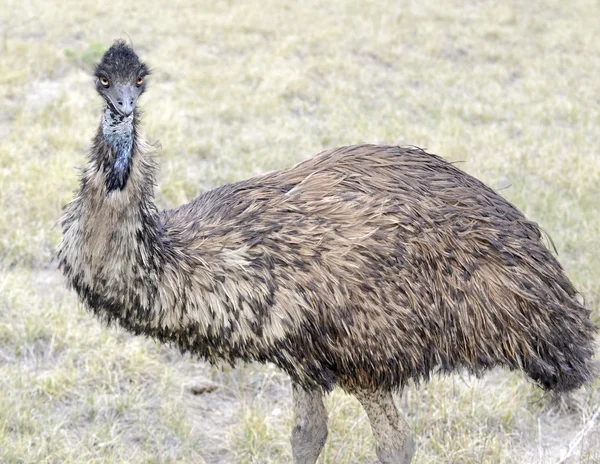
x,y
509,89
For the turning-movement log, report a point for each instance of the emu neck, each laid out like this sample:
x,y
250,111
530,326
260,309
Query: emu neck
x,y
119,134
111,252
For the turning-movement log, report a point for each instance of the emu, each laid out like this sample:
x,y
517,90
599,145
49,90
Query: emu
x,y
365,267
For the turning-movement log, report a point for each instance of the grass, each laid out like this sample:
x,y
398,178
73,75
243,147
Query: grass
x,y
510,89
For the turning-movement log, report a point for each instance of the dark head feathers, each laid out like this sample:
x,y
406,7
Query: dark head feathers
x,y
120,62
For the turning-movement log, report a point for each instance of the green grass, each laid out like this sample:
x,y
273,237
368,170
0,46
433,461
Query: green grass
x,y
239,88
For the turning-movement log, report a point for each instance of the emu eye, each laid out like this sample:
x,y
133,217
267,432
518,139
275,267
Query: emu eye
x,y
140,80
104,81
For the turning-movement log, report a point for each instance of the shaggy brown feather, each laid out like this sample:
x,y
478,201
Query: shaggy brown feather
x,y
364,267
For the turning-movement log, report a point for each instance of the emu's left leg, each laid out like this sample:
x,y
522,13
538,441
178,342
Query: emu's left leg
x,y
390,430
310,425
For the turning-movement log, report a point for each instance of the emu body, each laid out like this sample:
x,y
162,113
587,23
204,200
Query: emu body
x,y
364,267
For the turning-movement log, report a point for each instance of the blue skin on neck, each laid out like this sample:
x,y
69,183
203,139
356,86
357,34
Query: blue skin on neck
x,y
118,134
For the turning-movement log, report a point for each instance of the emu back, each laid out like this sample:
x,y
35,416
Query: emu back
x,y
368,266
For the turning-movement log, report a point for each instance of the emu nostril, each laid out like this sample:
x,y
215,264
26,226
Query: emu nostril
x,y
120,102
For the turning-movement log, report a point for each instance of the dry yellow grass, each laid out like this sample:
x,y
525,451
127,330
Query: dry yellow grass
x,y
509,88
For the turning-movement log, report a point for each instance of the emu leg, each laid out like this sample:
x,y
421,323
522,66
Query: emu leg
x,y
391,431
310,425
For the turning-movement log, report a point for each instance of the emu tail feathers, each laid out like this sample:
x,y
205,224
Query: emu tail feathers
x,y
567,363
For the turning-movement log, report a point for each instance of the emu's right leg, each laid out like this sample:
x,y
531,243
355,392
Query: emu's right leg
x,y
390,430
310,425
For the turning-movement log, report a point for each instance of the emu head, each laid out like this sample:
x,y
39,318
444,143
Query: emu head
x,y
121,78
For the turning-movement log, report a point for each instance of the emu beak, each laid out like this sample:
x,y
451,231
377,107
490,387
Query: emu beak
x,y
124,99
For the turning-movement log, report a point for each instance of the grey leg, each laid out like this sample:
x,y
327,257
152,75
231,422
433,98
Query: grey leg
x,y
391,431
310,425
